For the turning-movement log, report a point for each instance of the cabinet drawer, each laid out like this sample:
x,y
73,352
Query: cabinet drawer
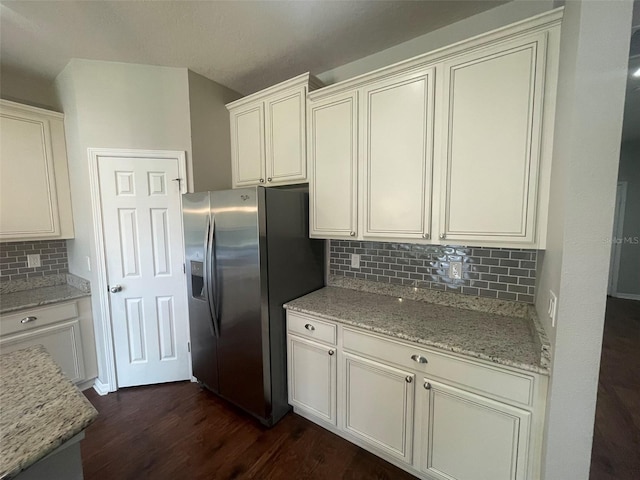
x,y
37,317
494,382
311,327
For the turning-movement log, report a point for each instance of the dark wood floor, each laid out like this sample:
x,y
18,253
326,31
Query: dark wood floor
x,y
616,438
178,431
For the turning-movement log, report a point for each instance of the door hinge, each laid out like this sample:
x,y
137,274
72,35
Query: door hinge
x,y
189,347
184,268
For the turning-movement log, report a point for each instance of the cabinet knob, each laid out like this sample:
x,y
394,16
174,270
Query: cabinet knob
x,y
331,352
352,234
427,386
426,236
443,236
262,180
309,327
269,179
28,319
408,379
419,359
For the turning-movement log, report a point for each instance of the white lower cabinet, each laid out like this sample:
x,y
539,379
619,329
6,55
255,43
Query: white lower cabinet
x,y
378,405
436,415
469,437
312,377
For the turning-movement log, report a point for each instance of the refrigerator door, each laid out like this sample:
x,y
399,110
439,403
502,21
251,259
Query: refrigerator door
x,y
197,235
238,294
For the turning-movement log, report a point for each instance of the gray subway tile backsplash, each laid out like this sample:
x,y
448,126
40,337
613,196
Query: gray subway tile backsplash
x,y
13,259
503,273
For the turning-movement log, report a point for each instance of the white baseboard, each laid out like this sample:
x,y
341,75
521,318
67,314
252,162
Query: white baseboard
x,y
87,384
101,388
627,296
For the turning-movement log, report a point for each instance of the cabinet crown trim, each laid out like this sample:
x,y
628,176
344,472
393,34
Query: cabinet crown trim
x,y
29,108
530,25
300,80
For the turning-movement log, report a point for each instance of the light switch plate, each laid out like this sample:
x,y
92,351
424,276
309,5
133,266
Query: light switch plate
x,y
355,260
33,260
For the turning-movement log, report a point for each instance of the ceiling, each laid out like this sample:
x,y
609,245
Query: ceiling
x,y
244,45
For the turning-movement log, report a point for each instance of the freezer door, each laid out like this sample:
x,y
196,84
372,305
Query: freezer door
x,y
196,220
237,290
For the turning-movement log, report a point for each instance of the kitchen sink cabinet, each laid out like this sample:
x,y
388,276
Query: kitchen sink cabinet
x,y
268,134
452,146
490,436
436,415
35,200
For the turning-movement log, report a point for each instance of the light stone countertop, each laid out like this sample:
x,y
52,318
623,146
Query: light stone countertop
x,y
11,302
503,339
40,409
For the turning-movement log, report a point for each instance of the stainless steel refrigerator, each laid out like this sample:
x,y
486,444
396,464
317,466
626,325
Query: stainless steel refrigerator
x,y
247,252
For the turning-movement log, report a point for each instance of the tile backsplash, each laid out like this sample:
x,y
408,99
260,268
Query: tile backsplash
x,y
13,259
503,273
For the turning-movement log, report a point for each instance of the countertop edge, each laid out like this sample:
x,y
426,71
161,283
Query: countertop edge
x,y
48,301
539,369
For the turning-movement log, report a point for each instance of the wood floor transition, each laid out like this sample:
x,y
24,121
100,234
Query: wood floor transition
x,y
178,431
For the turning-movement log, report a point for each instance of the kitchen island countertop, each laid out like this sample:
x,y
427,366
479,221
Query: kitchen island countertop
x,y
40,409
503,339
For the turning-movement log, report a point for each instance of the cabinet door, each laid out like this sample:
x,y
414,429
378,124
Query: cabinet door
x,y
62,341
247,145
312,378
397,133
286,146
469,437
333,155
493,104
28,198
378,406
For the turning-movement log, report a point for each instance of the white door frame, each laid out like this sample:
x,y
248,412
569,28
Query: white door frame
x,y
100,290
616,238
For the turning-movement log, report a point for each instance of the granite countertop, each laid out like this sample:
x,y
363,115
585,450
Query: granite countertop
x,y
40,409
503,339
11,302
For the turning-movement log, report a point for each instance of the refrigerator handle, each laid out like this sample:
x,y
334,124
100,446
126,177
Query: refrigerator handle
x,y
215,299
208,238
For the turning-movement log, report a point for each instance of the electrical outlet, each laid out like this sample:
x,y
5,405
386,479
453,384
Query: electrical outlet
x,y
355,260
33,261
455,270
553,307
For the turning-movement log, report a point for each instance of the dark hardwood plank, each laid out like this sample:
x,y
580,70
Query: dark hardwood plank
x,y
178,430
616,438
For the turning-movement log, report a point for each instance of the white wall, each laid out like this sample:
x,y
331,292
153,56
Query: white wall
x,y
115,105
593,64
629,275
210,133
478,24
28,89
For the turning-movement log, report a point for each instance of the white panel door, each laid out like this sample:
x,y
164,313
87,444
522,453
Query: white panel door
x,y
28,199
398,156
469,437
493,105
312,378
141,214
285,142
379,404
333,156
247,145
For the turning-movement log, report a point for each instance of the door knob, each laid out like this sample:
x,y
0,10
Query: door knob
x,y
115,289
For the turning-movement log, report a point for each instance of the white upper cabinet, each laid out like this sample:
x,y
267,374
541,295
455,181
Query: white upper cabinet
x,y
268,143
492,105
453,146
333,160
397,137
35,201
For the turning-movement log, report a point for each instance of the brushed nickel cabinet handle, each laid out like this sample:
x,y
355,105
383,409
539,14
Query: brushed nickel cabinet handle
x,y
419,359
28,319
309,327
269,179
331,352
262,180
426,236
427,386
443,236
408,379
352,234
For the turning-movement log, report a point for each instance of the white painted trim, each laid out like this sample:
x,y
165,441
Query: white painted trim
x,y
87,384
101,388
31,108
301,80
618,232
100,290
627,296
